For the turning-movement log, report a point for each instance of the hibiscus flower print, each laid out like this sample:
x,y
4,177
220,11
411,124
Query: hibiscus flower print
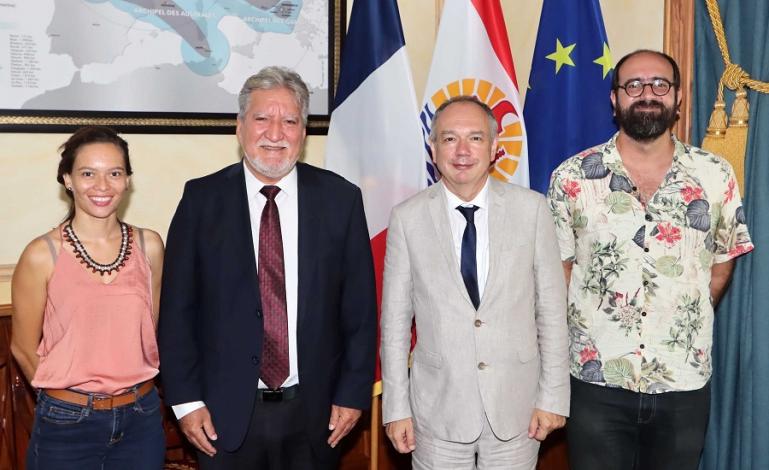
x,y
668,234
701,361
571,188
587,354
729,193
740,250
690,193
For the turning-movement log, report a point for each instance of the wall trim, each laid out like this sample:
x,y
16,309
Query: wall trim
x,y
6,273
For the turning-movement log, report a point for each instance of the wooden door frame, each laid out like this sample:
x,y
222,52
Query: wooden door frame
x,y
678,42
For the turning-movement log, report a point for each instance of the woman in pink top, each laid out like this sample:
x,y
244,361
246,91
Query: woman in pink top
x,y
85,298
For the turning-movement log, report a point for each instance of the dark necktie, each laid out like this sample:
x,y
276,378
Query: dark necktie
x,y
468,265
272,287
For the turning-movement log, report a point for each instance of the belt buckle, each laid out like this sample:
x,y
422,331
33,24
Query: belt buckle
x,y
103,402
272,395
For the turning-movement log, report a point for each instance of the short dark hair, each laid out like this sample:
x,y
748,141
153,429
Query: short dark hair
x,y
82,137
676,71
493,126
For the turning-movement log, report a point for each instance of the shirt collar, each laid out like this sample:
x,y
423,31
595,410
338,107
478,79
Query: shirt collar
x,y
481,199
613,161
287,184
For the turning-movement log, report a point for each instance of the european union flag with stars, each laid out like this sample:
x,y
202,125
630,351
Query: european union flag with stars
x,y
567,106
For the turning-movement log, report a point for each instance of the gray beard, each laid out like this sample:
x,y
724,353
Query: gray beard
x,y
272,172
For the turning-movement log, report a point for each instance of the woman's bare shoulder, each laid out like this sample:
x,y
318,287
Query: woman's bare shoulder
x,y
39,254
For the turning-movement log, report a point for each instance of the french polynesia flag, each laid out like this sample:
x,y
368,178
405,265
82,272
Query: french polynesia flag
x,y
472,57
374,135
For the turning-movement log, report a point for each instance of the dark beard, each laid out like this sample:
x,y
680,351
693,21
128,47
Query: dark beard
x,y
645,126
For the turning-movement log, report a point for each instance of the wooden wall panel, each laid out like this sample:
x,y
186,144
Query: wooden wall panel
x,y
17,403
7,447
679,43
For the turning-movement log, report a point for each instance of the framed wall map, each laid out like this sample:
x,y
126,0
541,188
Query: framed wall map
x,y
158,66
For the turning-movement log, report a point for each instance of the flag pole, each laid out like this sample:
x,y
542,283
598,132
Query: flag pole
x,y
375,429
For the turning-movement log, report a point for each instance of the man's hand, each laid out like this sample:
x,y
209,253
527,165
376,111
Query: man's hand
x,y
341,423
401,434
543,423
198,428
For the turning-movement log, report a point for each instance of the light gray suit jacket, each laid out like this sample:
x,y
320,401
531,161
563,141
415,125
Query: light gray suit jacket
x,y
521,336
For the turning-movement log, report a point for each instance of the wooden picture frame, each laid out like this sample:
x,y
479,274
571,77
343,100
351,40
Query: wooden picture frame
x,y
200,37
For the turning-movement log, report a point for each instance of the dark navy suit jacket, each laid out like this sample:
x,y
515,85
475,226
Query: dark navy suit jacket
x,y
211,330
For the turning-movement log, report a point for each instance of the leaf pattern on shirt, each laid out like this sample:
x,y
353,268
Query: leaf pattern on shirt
x,y
740,215
698,216
586,359
619,372
620,183
593,166
637,319
607,261
619,202
655,376
701,360
687,324
669,266
640,236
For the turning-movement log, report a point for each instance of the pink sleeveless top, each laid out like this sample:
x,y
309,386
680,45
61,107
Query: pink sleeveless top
x,y
98,337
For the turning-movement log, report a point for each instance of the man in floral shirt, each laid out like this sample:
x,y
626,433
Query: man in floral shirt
x,y
648,229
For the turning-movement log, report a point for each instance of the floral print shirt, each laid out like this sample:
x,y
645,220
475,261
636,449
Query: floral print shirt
x,y
640,314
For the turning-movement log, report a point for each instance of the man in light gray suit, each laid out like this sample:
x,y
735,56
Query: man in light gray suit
x,y
475,262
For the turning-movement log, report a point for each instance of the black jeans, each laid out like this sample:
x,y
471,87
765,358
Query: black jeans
x,y
616,429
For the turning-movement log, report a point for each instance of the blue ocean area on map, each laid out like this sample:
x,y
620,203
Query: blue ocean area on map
x,y
205,48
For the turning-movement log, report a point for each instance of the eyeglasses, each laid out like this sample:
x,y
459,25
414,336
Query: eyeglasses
x,y
635,88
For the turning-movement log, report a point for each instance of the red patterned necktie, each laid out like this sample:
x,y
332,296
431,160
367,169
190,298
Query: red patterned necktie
x,y
272,287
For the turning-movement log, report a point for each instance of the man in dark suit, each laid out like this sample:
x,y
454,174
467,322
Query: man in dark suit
x,y
268,313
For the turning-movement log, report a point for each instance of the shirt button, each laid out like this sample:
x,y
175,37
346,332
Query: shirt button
x,y
643,314
635,188
642,346
482,365
646,283
646,249
649,217
478,323
254,360
258,313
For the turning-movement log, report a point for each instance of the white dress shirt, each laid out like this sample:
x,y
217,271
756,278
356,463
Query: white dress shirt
x,y
458,223
288,209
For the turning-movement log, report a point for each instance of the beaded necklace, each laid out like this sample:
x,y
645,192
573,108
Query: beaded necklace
x,y
125,250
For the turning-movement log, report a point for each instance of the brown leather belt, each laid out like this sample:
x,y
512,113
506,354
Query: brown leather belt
x,y
101,402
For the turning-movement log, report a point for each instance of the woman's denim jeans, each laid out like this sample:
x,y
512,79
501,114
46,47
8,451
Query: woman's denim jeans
x,y
67,436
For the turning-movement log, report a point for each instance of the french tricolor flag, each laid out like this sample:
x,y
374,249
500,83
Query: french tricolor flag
x,y
374,137
472,57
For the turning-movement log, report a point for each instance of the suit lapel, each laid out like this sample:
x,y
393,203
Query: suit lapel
x,y
498,228
309,232
237,246
439,215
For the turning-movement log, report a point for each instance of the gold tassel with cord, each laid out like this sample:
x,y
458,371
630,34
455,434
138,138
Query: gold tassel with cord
x,y
730,140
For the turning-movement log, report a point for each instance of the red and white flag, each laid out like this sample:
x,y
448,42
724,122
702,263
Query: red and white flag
x,y
472,57
373,137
